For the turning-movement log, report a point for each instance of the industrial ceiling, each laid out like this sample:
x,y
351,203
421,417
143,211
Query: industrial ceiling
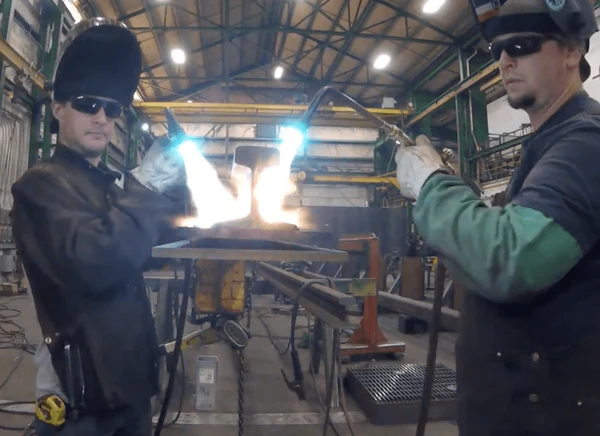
x,y
232,47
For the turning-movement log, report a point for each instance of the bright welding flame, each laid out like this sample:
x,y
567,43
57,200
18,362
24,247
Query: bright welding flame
x,y
274,183
215,203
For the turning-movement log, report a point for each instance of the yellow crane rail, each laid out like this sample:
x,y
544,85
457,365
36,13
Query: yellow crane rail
x,y
240,113
384,179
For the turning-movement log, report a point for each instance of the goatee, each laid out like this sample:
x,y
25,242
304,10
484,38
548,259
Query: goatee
x,y
523,102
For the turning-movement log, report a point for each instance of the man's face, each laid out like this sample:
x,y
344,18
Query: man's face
x,y
88,134
533,79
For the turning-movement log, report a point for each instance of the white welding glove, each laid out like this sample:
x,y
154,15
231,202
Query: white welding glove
x,y
415,164
162,167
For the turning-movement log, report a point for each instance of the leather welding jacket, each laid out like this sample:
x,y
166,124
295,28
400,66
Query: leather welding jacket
x,y
528,353
83,242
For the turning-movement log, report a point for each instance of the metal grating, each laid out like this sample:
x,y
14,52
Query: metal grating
x,y
391,393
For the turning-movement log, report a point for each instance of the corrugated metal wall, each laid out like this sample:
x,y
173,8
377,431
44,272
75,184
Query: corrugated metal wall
x,y
15,125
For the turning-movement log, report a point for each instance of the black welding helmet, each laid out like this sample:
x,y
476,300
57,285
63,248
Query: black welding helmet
x,y
100,57
573,19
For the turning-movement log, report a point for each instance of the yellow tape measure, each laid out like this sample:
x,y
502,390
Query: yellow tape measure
x,y
51,410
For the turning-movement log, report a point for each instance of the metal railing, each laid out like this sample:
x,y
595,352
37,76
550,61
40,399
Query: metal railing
x,y
501,164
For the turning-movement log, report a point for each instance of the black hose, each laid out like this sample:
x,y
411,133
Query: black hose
x,y
435,325
178,340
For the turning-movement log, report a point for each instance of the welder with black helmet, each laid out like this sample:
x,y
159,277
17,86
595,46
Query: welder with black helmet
x,y
528,353
84,242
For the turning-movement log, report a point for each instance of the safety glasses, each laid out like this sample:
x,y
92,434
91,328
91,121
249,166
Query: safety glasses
x,y
520,45
92,105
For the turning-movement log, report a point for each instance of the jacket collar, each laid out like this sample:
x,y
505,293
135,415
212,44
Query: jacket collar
x,y
69,156
580,102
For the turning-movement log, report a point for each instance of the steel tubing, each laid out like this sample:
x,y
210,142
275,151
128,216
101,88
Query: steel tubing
x,y
418,309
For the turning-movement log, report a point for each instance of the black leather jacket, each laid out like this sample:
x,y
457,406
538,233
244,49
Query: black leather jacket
x,y
84,242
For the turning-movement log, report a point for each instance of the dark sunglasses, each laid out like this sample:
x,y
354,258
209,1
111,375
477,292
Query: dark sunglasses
x,y
519,46
92,105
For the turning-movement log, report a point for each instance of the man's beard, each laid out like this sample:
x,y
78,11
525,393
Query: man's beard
x,y
526,101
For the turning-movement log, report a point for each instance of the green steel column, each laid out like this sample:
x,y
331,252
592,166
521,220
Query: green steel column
x,y
479,104
134,142
53,22
421,100
471,111
134,126
7,17
466,142
40,129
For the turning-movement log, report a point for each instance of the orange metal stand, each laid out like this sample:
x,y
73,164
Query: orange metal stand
x,y
368,339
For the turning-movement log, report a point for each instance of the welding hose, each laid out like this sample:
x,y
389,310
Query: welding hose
x,y
435,326
187,283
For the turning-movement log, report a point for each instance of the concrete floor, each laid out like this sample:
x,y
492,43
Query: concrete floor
x,y
265,391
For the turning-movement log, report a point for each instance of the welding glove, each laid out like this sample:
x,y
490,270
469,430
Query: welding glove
x,y
415,164
162,167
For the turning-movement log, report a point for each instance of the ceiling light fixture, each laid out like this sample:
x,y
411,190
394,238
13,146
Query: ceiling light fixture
x,y
278,73
178,56
382,61
432,6
190,101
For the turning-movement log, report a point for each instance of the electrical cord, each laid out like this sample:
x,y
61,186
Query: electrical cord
x,y
343,399
335,358
3,409
436,317
181,396
177,351
12,335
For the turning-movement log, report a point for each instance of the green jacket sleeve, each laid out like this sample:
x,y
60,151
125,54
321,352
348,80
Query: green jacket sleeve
x,y
504,254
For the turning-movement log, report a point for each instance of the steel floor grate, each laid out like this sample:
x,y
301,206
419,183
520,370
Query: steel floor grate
x,y
391,393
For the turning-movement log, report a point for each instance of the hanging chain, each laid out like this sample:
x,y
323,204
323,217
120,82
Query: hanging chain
x,y
241,369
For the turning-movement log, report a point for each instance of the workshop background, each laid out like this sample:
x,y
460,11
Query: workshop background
x,y
236,72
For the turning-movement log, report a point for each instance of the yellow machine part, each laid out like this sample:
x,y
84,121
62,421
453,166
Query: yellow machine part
x,y
220,286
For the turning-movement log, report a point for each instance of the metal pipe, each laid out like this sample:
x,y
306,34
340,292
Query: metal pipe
x,y
323,291
419,309
390,130
334,315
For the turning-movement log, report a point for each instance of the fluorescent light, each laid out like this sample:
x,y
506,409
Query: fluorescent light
x,y
278,74
382,61
432,6
190,101
178,55
145,127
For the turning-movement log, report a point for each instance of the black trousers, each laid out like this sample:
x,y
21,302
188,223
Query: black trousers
x,y
132,421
